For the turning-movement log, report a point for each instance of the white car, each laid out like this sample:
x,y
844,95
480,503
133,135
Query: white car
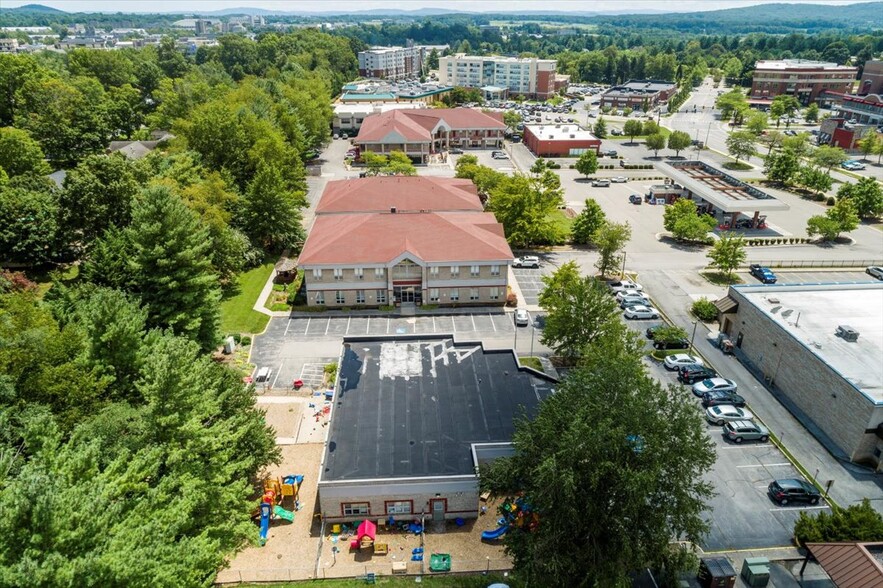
x,y
619,180
624,293
641,312
526,261
714,385
625,285
875,271
720,414
673,362
522,318
636,300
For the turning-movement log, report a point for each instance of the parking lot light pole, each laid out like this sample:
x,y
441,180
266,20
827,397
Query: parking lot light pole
x,y
533,332
693,336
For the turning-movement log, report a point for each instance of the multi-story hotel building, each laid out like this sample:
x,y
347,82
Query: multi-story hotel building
x,y
528,76
391,63
404,240
806,80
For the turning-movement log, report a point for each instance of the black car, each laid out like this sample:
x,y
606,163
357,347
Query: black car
x,y
651,331
635,199
722,397
784,491
678,344
690,374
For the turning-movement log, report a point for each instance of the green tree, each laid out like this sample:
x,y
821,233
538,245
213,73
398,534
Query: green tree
x,y
732,104
587,164
782,166
682,220
798,143
612,432
171,265
399,164
271,214
757,123
827,157
633,128
20,154
669,334
432,59
811,114
678,141
650,127
28,225
814,179
374,162
772,140
856,522
784,105
865,195
868,144
610,239
727,253
523,203
511,119
655,142
587,223
840,218
741,144
579,309
600,128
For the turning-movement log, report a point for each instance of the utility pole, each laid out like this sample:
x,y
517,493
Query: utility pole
x,y
622,273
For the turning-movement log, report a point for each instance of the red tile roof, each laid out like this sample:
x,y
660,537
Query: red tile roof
x,y
367,238
850,565
416,125
404,193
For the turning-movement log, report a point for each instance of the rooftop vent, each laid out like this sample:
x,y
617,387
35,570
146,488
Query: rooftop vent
x,y
846,333
772,300
392,209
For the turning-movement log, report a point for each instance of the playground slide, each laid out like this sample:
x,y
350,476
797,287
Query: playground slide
x,y
495,534
283,514
265,522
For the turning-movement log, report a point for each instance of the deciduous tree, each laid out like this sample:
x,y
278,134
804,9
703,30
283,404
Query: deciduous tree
x,y
840,218
866,196
610,239
632,128
727,253
827,156
682,220
271,214
678,141
587,164
587,223
20,153
655,142
741,144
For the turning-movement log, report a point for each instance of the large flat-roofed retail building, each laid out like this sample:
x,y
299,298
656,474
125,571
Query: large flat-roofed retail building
x,y
412,420
559,140
820,348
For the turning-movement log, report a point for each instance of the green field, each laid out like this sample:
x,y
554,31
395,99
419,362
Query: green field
x,y
237,315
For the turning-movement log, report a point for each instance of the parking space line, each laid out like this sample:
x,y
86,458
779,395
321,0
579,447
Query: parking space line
x,y
286,328
368,326
493,324
308,325
746,446
348,319
764,465
279,371
472,316
801,508
328,324
434,330
454,324
387,325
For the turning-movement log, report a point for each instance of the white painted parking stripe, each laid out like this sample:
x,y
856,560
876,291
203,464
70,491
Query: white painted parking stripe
x,y
472,316
273,385
368,326
454,324
800,508
328,324
746,446
493,324
286,328
387,326
434,330
764,465
348,319
308,325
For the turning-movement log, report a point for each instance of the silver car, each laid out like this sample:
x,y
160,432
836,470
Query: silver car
x,y
721,413
522,318
875,271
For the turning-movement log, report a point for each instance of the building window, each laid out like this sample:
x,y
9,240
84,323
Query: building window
x,y
381,297
474,270
455,294
358,273
338,273
433,271
360,297
433,294
317,273
320,297
378,273
495,294
495,270
339,297
473,293
455,271
355,509
402,507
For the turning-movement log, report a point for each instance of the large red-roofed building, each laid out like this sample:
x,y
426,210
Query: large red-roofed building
x,y
393,240
421,132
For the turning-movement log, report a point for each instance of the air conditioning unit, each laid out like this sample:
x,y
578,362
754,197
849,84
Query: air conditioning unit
x,y
846,333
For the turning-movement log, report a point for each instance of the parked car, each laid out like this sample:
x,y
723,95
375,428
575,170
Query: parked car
x,y
335,136
852,165
600,183
619,180
673,362
634,300
611,153
628,292
764,274
344,136
625,285
522,318
792,490
714,385
635,199
641,312
456,151
720,414
616,132
738,431
676,344
875,271
722,397
690,374
651,331
526,261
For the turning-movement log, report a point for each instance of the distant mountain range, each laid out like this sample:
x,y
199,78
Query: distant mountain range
x,y
35,8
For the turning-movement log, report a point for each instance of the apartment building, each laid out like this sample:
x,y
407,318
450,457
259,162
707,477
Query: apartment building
x,y
391,63
807,80
872,78
404,241
529,76
638,94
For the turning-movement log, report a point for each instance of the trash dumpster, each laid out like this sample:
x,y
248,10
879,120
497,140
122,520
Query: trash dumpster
x,y
716,572
756,571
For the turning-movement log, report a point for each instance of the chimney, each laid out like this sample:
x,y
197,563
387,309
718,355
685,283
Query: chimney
x,y
392,209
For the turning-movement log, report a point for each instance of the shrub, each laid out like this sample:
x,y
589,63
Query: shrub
x,y
330,370
511,299
831,201
858,522
669,334
245,341
11,281
704,309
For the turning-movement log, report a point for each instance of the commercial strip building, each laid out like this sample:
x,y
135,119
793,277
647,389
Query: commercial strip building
x,y
854,118
392,63
528,76
377,92
716,192
806,80
404,241
349,117
422,132
638,94
559,140
819,347
412,420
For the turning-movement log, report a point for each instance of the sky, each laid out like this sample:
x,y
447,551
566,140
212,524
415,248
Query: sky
x,y
184,6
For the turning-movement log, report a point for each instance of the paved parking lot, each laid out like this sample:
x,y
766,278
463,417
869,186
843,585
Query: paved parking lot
x,y
811,276
531,284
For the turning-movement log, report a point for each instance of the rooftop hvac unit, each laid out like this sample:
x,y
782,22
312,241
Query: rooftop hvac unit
x,y
847,333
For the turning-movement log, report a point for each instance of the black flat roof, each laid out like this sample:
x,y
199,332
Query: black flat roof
x,y
413,407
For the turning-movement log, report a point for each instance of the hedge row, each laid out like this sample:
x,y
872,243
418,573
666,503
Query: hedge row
x,y
762,241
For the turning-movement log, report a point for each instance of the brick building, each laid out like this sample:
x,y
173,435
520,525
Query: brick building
x,y
807,80
854,118
559,140
638,94
404,241
392,63
526,76
787,334
872,78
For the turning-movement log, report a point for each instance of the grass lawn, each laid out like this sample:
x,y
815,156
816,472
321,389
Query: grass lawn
x,y
638,138
531,362
43,277
721,279
237,315
562,222
465,581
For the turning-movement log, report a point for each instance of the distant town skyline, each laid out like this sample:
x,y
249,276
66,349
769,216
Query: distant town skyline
x,y
610,6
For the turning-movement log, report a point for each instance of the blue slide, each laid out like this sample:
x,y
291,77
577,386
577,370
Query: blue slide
x,y
495,534
265,522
